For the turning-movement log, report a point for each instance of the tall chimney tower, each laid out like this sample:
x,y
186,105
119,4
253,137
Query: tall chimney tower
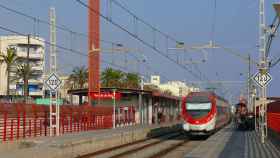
x,y
93,49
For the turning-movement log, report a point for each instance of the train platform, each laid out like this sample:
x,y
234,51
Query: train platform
x,y
73,145
232,143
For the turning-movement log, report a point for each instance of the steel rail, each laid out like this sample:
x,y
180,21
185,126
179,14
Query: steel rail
x,y
89,155
143,147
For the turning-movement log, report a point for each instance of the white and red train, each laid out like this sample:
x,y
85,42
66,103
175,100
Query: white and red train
x,y
204,113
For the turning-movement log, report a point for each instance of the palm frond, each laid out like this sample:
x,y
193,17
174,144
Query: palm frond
x,y
79,77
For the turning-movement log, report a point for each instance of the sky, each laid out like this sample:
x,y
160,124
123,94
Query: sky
x,y
233,24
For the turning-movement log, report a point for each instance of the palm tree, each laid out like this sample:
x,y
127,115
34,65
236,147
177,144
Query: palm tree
x,y
9,59
112,78
79,77
24,72
132,80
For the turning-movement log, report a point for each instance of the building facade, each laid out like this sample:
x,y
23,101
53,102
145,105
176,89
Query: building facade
x,y
36,61
177,88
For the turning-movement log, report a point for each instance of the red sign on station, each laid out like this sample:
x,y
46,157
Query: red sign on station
x,y
105,95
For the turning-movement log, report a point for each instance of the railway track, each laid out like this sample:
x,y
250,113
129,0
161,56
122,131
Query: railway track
x,y
169,149
148,148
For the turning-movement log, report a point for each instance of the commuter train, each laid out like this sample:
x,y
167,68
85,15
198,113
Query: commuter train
x,y
204,112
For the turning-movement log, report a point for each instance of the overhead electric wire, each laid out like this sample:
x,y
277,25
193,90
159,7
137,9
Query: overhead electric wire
x,y
148,66
143,21
272,34
275,63
60,27
139,39
60,47
152,27
64,28
274,27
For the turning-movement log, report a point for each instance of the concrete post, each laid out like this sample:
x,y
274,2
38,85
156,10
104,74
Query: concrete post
x,y
146,112
114,108
150,111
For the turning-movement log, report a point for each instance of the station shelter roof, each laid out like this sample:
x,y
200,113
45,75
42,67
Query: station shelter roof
x,y
84,92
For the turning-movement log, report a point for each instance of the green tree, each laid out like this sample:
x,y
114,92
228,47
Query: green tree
x,y
112,78
79,77
132,80
9,59
24,72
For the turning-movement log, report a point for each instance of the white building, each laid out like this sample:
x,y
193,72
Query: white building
x,y
177,88
155,80
37,62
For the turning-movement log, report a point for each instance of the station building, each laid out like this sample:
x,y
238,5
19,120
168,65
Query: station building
x,y
143,106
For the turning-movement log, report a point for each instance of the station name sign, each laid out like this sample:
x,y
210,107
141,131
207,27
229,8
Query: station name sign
x,y
105,95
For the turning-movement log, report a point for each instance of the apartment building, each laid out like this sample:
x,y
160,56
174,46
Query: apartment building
x,y
36,61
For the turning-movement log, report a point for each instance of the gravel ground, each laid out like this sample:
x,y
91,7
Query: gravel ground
x,y
154,149
133,146
177,153
181,151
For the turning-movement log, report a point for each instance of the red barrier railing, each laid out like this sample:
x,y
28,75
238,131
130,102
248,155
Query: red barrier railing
x,y
274,121
273,116
19,121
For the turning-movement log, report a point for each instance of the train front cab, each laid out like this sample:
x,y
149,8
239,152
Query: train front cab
x,y
199,113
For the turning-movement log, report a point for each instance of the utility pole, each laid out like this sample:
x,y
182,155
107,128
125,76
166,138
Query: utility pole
x,y
53,67
26,69
52,40
263,67
249,83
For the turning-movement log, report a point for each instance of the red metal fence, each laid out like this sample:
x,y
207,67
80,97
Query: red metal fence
x,y
274,121
20,121
24,121
273,116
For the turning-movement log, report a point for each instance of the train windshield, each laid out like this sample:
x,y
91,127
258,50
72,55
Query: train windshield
x,y
198,106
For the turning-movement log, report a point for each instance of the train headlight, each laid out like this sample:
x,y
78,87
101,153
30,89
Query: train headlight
x,y
186,127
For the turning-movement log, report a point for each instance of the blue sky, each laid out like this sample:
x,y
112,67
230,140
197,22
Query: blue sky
x,y
236,27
